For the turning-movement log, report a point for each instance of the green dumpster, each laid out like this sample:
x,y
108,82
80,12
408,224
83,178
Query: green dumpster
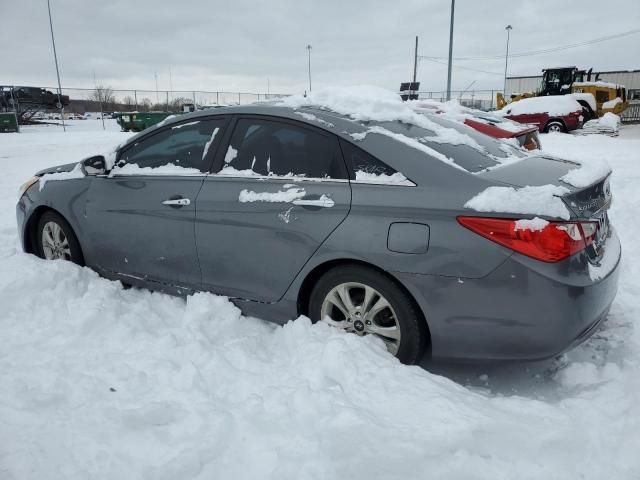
x,y
8,122
138,121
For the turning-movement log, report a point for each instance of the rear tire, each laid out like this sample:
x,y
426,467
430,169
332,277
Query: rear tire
x,y
555,126
56,239
399,323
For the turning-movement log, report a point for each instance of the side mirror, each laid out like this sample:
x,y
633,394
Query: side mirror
x,y
95,165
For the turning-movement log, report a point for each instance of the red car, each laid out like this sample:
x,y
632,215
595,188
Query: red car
x,y
526,136
486,123
550,114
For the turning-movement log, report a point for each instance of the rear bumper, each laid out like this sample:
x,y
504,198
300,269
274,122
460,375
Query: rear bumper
x,y
523,310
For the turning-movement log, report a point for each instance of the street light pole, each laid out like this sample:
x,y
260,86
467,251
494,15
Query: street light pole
x,y
508,28
453,3
309,49
55,57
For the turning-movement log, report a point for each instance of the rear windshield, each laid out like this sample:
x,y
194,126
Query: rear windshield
x,y
472,150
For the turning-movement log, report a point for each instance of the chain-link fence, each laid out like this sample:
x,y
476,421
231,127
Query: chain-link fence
x,y
91,99
30,100
479,99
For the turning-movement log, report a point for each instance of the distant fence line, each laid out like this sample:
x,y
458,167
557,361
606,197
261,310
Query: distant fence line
x,y
87,99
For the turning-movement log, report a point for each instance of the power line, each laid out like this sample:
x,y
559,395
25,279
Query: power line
x,y
542,51
429,59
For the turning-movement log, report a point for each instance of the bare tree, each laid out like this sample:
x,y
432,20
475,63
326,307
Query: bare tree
x,y
104,95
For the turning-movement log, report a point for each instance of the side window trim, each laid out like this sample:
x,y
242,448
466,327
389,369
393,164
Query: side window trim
x,y
218,161
351,168
210,154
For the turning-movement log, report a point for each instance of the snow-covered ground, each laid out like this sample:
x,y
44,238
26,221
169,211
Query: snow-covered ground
x,y
104,383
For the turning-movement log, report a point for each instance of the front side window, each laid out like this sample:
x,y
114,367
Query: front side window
x,y
184,148
278,149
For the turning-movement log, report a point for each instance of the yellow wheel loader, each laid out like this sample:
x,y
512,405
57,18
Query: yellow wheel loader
x,y
596,97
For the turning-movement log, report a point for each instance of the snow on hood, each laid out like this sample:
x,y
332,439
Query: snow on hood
x,y
557,105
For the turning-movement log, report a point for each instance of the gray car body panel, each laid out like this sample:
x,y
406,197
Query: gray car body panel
x,y
479,299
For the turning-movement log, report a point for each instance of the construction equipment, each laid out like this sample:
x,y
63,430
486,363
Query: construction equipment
x,y
596,97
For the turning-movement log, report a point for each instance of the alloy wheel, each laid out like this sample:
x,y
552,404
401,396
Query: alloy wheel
x,y
55,244
360,309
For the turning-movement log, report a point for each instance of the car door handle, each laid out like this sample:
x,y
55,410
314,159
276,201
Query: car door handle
x,y
321,201
177,202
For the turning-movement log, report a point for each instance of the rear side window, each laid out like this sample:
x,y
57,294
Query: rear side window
x,y
185,146
271,148
366,168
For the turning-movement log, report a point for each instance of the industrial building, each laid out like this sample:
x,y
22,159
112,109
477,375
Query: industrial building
x,y
629,78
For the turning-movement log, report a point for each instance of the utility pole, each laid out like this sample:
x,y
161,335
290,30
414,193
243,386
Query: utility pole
x,y
415,62
508,28
99,94
55,57
170,83
155,74
309,49
453,3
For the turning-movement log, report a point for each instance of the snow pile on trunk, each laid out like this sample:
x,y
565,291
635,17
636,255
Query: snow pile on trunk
x,y
587,174
538,200
49,177
552,105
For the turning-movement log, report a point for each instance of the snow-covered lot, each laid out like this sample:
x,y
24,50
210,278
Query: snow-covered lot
x,y
104,383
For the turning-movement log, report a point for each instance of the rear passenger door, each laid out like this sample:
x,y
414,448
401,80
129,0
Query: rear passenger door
x,y
280,189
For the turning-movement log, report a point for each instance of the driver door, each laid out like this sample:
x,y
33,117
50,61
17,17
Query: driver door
x,y
141,216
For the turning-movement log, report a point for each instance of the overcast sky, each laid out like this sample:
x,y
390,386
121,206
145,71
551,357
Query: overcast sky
x,y
240,45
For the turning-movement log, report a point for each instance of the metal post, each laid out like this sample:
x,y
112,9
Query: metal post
x,y
453,3
194,99
506,60
309,49
415,61
167,101
135,97
239,98
55,57
155,74
217,98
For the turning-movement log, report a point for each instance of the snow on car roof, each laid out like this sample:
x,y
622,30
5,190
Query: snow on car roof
x,y
556,105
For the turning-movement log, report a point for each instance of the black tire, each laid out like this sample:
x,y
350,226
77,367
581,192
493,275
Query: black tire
x,y
555,126
414,333
74,246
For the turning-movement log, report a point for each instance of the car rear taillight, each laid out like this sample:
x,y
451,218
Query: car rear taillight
x,y
553,242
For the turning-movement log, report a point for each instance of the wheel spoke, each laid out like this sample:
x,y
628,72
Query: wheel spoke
x,y
64,244
46,236
335,300
387,332
345,296
377,307
369,294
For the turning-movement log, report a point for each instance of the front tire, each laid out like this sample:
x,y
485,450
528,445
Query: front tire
x,y
555,126
363,301
56,239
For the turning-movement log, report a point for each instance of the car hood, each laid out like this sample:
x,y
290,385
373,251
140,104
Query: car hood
x,y
67,167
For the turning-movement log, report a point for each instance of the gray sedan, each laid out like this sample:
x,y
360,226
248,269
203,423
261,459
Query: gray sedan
x,y
364,225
